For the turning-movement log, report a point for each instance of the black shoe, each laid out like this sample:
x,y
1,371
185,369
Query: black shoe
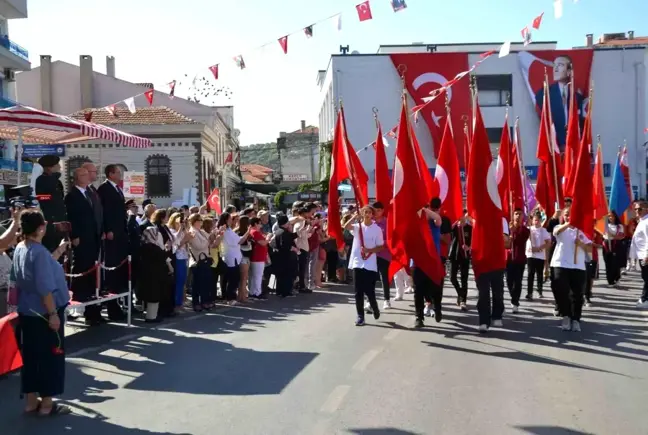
x,y
376,314
438,315
305,291
529,297
93,322
419,324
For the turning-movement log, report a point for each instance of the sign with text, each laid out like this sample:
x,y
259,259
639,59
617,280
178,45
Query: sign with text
x,y
295,177
134,184
36,151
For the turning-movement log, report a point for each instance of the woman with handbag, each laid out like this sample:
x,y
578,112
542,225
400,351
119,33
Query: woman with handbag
x,y
200,264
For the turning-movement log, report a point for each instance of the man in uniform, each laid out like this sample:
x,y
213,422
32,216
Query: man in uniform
x,y
49,192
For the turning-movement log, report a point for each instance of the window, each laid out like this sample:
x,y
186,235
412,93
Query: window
x,y
72,164
158,176
494,90
494,138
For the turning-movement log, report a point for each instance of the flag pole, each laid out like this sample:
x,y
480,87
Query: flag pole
x,y
508,173
548,124
520,162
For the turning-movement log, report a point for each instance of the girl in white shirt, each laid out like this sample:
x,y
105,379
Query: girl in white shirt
x,y
570,275
367,241
536,252
231,252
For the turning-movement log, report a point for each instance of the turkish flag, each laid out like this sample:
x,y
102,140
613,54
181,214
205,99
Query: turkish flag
x,y
364,11
214,71
149,96
599,199
383,182
283,41
485,207
426,72
345,164
431,187
548,190
582,213
408,230
572,146
448,177
10,358
504,170
537,21
214,201
517,178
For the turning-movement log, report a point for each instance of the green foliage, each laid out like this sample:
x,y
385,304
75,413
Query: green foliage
x,y
279,199
305,187
265,154
262,203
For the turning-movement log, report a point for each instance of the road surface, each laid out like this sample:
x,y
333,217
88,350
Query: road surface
x,y
299,366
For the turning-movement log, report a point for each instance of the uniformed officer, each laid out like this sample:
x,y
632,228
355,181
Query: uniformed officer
x,y
49,193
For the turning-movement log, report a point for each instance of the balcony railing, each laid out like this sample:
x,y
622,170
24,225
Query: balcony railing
x,y
14,48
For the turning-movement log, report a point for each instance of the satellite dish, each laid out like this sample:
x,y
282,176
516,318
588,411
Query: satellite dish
x,y
355,52
236,132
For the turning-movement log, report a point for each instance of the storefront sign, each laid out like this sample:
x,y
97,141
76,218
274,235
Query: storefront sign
x,y
36,151
295,177
134,184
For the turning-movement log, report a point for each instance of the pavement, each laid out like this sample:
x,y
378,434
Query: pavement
x,y
299,366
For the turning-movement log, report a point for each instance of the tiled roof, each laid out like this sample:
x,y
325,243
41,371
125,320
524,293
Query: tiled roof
x,y
311,129
143,116
641,40
260,169
251,179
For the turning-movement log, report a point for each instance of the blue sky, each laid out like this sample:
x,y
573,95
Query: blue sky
x,y
161,40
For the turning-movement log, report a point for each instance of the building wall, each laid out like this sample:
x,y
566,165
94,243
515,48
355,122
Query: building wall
x,y
367,81
182,153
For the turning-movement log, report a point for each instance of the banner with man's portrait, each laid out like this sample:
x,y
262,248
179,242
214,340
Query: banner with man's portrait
x,y
559,66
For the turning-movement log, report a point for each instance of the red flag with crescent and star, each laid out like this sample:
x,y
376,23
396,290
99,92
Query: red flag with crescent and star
x,y
426,72
214,201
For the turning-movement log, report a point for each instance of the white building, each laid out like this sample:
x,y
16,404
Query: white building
x,y
61,87
13,57
618,71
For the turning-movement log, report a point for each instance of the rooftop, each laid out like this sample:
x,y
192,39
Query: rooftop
x,y
253,173
311,129
156,115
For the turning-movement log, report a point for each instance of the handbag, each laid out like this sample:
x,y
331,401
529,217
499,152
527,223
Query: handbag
x,y
203,260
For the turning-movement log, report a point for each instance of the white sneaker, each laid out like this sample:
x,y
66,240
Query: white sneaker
x,y
483,328
514,308
588,304
565,324
409,291
367,308
427,311
556,313
497,324
463,306
576,326
641,304
386,305
398,298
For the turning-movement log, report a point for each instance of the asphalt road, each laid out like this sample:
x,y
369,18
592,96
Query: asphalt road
x,y
300,367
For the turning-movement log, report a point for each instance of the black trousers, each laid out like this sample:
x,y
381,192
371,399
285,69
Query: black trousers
x,y
570,284
554,286
232,279
592,271
536,271
364,283
383,271
331,265
425,290
612,266
514,274
302,266
84,287
460,266
487,283
43,370
644,277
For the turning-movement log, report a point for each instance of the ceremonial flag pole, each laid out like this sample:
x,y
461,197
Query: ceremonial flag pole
x,y
547,106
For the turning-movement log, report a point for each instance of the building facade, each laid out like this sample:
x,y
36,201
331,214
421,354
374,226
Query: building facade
x,y
299,155
13,57
61,87
365,81
181,156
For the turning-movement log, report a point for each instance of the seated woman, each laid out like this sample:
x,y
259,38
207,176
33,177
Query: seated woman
x,y
42,298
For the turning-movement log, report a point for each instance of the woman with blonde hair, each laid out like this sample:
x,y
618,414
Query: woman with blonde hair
x,y
181,237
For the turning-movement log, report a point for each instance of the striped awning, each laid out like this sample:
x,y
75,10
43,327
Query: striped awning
x,y
39,127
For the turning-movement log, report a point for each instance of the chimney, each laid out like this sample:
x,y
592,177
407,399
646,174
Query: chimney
x,y
631,34
46,82
303,124
110,66
589,40
86,75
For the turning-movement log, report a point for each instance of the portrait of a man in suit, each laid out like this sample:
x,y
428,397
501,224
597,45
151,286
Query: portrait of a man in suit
x,y
560,96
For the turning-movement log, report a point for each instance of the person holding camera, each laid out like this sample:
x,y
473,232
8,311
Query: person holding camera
x,y
42,298
49,193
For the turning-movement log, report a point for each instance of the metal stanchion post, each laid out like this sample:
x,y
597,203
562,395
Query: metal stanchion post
x,y
130,291
98,279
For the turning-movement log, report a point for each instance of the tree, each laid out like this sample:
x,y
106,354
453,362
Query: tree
x,y
279,199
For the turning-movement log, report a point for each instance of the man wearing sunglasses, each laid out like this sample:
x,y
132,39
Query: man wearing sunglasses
x,y
639,247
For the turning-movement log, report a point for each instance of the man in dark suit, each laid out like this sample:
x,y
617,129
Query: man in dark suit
x,y
49,192
559,98
85,235
116,242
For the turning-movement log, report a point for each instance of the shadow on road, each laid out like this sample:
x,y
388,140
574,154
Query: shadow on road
x,y
551,430
382,431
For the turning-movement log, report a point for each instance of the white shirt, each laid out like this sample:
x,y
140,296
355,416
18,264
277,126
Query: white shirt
x,y
180,251
231,248
505,227
373,237
611,231
81,189
639,246
302,236
563,255
537,238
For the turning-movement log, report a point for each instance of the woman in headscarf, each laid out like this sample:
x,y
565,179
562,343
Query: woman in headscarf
x,y
156,279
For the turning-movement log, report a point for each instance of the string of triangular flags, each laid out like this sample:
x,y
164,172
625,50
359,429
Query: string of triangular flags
x,y
504,50
363,11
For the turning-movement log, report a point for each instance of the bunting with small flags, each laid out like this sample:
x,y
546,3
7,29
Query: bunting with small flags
x,y
130,103
308,31
214,71
283,42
